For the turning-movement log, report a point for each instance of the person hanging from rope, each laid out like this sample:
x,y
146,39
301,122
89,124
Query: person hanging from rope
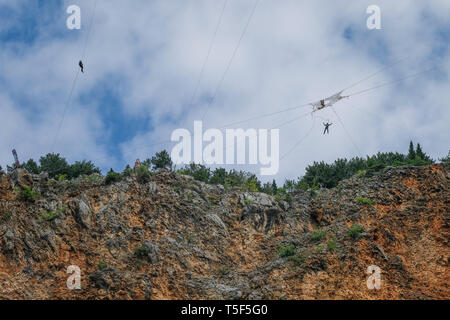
x,y
327,127
81,66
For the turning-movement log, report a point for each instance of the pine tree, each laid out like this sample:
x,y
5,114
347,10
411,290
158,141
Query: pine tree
x,y
274,187
443,160
411,152
267,188
82,168
162,160
54,165
32,167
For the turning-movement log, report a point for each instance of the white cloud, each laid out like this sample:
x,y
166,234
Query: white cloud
x,y
293,53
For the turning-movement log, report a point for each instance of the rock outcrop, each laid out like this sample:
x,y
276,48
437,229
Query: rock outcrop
x,y
177,238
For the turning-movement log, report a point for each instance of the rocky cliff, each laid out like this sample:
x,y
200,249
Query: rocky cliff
x,y
176,238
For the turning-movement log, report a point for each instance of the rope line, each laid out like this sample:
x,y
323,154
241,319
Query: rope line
x,y
83,56
299,141
66,107
211,45
64,111
348,134
375,73
231,59
292,120
397,81
294,108
265,115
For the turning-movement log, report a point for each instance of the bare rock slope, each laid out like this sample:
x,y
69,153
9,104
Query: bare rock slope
x,y
176,238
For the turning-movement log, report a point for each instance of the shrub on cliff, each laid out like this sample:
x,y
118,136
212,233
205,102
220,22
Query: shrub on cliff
x,y
161,160
364,201
112,177
32,167
142,251
318,235
127,172
332,244
49,215
198,171
443,160
287,251
27,194
101,265
82,168
54,164
356,232
143,174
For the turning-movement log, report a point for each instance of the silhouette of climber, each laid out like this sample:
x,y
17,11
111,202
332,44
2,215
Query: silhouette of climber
x,y
81,66
327,127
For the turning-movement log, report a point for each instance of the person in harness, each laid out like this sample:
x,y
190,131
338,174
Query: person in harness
x,y
327,128
81,66
322,103
327,102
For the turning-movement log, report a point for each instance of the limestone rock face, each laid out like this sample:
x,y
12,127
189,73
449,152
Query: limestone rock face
x,y
176,238
22,178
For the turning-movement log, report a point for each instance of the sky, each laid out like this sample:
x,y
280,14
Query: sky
x,y
143,60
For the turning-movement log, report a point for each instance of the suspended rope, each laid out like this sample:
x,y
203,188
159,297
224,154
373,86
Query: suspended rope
x,y
64,111
222,79
66,106
348,134
397,81
330,101
211,45
309,104
292,120
83,56
299,141
202,71
265,115
225,149
375,73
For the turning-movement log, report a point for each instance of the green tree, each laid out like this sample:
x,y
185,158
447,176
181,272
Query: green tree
x,y
267,188
1,170
198,171
127,172
32,167
443,160
143,175
289,185
54,164
112,177
422,155
411,151
274,187
251,183
82,168
147,163
161,161
218,176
